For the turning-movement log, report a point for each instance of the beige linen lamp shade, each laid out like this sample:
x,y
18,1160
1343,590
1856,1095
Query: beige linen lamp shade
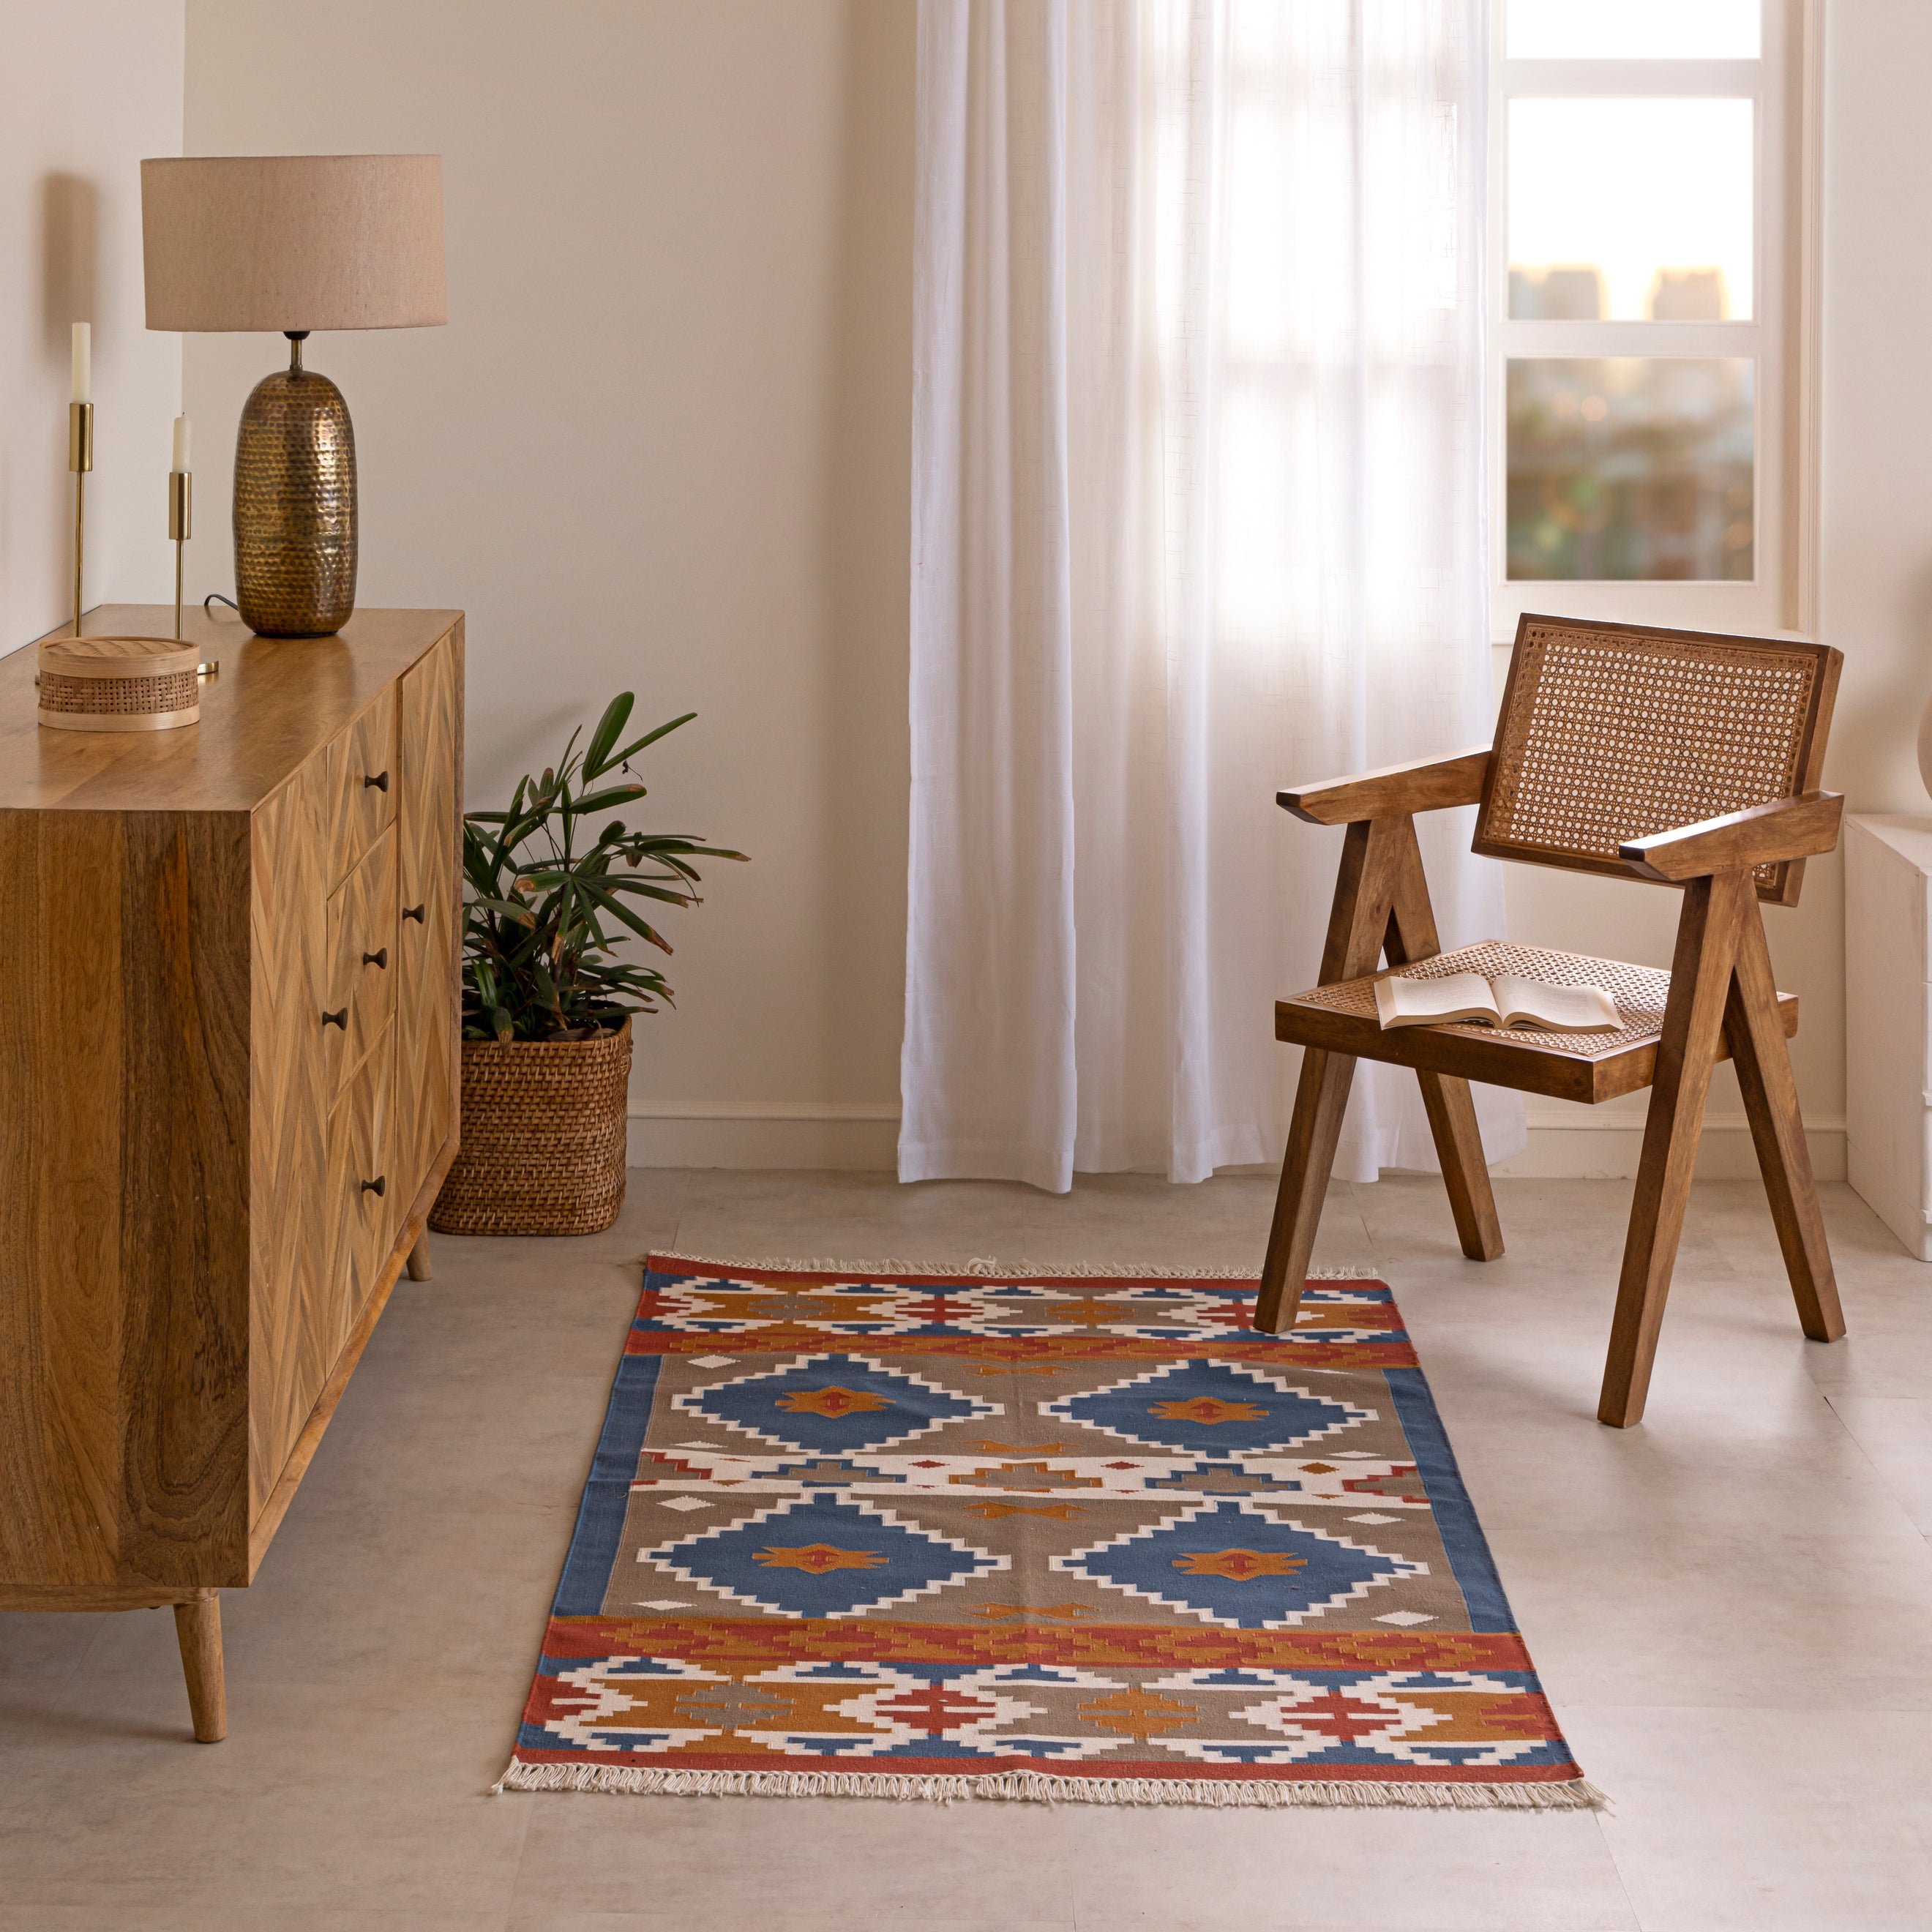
x,y
293,242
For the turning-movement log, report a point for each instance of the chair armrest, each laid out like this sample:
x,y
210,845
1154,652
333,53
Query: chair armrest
x,y
1787,828
1428,784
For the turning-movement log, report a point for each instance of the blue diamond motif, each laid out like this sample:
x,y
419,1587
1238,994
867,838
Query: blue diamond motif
x,y
1209,1408
838,1405
1229,1563
822,1555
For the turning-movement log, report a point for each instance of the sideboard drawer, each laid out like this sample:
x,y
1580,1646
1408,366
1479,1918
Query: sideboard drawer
x,y
361,784
358,1190
363,965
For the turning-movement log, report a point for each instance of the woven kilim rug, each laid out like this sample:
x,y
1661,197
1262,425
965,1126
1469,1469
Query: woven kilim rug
x,y
896,1531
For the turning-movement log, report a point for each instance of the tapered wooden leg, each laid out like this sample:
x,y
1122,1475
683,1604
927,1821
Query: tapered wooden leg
x,y
418,1263
198,1630
1382,904
1451,1108
1321,1099
1411,936
1700,980
1373,851
1777,1130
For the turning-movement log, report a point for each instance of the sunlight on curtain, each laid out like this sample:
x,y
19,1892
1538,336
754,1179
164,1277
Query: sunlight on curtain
x,y
1198,511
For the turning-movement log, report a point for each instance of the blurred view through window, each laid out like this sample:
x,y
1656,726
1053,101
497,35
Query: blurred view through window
x,y
1630,466
1629,330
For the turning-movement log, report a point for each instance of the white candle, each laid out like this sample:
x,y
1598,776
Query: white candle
x,y
83,335
180,442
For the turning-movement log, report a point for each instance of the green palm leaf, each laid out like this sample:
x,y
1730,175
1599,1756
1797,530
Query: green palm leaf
x,y
543,920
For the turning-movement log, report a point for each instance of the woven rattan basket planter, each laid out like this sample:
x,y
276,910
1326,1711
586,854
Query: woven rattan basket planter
x,y
542,1149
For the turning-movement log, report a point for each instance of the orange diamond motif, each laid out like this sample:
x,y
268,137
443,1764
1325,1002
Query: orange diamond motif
x,y
818,1558
1240,1566
1209,1409
833,1401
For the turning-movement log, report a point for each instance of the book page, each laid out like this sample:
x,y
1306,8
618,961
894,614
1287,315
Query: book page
x,y
1456,996
1562,1009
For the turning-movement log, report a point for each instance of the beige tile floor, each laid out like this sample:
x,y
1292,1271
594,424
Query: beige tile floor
x,y
1732,1607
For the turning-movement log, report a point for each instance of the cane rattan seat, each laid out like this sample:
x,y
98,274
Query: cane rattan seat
x,y
1585,1066
1679,756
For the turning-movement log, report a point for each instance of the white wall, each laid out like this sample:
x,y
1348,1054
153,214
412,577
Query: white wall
x,y
88,87
662,444
663,441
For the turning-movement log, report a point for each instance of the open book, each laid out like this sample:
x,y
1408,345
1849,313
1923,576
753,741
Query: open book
x,y
1504,1001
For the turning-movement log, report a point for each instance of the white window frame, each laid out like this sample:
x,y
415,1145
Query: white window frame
x,y
1781,337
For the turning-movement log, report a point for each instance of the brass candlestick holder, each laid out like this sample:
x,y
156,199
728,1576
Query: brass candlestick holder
x,y
80,460
181,527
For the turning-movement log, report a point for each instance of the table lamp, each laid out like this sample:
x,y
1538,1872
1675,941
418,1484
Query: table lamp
x,y
297,243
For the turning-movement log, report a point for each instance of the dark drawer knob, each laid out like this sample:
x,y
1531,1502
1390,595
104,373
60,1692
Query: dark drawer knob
x,y
416,912
378,958
341,1019
378,1186
380,782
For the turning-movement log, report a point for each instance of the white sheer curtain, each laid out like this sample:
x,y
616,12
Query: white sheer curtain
x,y
1198,510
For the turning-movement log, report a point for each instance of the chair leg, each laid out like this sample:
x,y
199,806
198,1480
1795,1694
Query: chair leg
x,y
1321,1099
1459,1150
1700,980
1374,854
1411,936
1777,1131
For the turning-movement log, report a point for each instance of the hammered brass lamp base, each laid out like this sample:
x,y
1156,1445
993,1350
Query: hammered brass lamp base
x,y
295,505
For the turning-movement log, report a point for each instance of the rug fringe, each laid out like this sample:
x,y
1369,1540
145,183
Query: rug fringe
x,y
626,1780
990,1266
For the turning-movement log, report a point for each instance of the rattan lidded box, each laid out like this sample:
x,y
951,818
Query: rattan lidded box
x,y
119,684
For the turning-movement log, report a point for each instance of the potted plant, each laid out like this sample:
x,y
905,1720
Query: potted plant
x,y
547,999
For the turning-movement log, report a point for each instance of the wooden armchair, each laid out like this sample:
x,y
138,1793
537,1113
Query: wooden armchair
x,y
1676,756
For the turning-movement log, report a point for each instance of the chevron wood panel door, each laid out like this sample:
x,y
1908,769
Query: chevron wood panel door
x,y
289,1359
427,830
203,1208
357,1190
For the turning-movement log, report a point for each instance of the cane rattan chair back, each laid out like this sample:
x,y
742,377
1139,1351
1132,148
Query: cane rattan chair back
x,y
1612,732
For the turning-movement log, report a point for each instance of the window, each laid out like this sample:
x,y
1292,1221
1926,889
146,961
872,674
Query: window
x,y
1651,335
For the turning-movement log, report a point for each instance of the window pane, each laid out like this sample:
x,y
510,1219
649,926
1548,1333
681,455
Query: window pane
x,y
1633,30
1629,210
1631,466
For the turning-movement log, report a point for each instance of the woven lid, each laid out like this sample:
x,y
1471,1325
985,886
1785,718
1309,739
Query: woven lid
x,y
119,657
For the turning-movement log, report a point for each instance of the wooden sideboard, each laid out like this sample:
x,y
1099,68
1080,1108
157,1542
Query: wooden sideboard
x,y
228,1085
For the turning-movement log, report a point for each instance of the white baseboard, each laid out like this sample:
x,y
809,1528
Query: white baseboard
x,y
1574,1143
859,1135
1565,1142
